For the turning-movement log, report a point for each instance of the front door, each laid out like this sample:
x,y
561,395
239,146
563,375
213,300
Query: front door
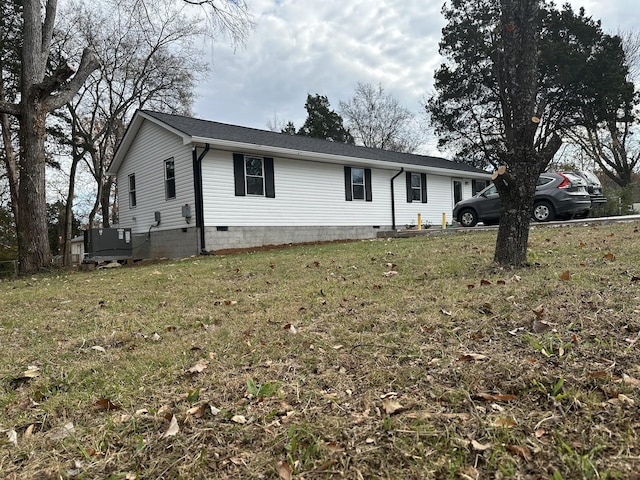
x,y
457,191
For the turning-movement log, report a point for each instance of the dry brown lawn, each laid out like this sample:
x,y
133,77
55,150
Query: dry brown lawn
x,y
404,358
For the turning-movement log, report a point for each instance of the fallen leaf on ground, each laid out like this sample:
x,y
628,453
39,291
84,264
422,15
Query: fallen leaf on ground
x,y
239,419
61,433
480,446
173,429
519,450
12,437
284,470
565,275
391,406
609,256
540,326
472,356
539,311
621,398
200,366
333,447
630,380
199,410
98,348
390,273
31,372
106,404
503,422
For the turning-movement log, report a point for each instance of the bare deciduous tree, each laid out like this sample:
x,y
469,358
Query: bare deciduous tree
x,y
377,120
46,86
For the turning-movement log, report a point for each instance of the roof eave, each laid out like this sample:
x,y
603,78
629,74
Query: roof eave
x,y
229,145
130,134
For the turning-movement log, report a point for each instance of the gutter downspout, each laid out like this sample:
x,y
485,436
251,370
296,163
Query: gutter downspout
x,y
197,189
393,200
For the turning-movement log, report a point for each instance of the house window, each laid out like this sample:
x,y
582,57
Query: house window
x,y
357,184
169,179
416,187
253,175
132,190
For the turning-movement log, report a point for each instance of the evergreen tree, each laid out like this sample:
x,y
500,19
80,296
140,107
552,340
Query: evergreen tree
x,y
322,122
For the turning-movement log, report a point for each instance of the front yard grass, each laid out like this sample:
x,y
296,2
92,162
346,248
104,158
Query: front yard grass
x,y
401,358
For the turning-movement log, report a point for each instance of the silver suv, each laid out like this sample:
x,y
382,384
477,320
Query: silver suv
x,y
558,195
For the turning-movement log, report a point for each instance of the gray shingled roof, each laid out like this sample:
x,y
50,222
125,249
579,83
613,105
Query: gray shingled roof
x,y
221,131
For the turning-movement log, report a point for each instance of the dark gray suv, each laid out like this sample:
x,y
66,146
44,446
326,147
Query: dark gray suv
x,y
557,195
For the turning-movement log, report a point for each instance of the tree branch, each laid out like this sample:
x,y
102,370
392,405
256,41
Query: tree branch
x,y
10,108
88,64
48,27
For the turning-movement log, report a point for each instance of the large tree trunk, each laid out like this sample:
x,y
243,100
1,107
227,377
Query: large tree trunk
x,y
517,192
518,76
33,239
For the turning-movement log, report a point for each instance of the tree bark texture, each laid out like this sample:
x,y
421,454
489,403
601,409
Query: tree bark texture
x,y
33,240
517,78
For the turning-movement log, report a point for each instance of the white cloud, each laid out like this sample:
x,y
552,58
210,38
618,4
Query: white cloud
x,y
325,47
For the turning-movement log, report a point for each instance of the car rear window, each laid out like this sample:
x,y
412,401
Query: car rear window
x,y
543,181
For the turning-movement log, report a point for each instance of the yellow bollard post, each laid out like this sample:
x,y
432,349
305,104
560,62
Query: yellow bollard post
x,y
419,221
444,220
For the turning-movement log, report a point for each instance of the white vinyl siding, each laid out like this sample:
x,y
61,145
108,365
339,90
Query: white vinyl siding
x,y
146,159
307,193
439,202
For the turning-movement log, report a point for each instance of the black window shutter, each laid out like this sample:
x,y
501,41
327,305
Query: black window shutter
x,y
423,184
409,189
269,183
367,184
347,184
238,174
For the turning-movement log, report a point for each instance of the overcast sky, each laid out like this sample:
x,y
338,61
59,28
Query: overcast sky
x,y
326,47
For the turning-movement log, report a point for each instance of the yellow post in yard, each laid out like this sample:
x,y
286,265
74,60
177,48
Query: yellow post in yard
x,y
444,220
419,221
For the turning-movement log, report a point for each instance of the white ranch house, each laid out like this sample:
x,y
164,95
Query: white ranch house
x,y
188,186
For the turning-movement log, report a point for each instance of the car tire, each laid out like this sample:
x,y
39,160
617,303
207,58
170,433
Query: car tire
x,y
543,212
468,218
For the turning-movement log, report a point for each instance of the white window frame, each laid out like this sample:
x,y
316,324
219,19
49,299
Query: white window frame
x,y
248,176
133,201
354,184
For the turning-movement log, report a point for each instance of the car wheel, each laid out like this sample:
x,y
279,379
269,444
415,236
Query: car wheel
x,y
468,218
543,212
